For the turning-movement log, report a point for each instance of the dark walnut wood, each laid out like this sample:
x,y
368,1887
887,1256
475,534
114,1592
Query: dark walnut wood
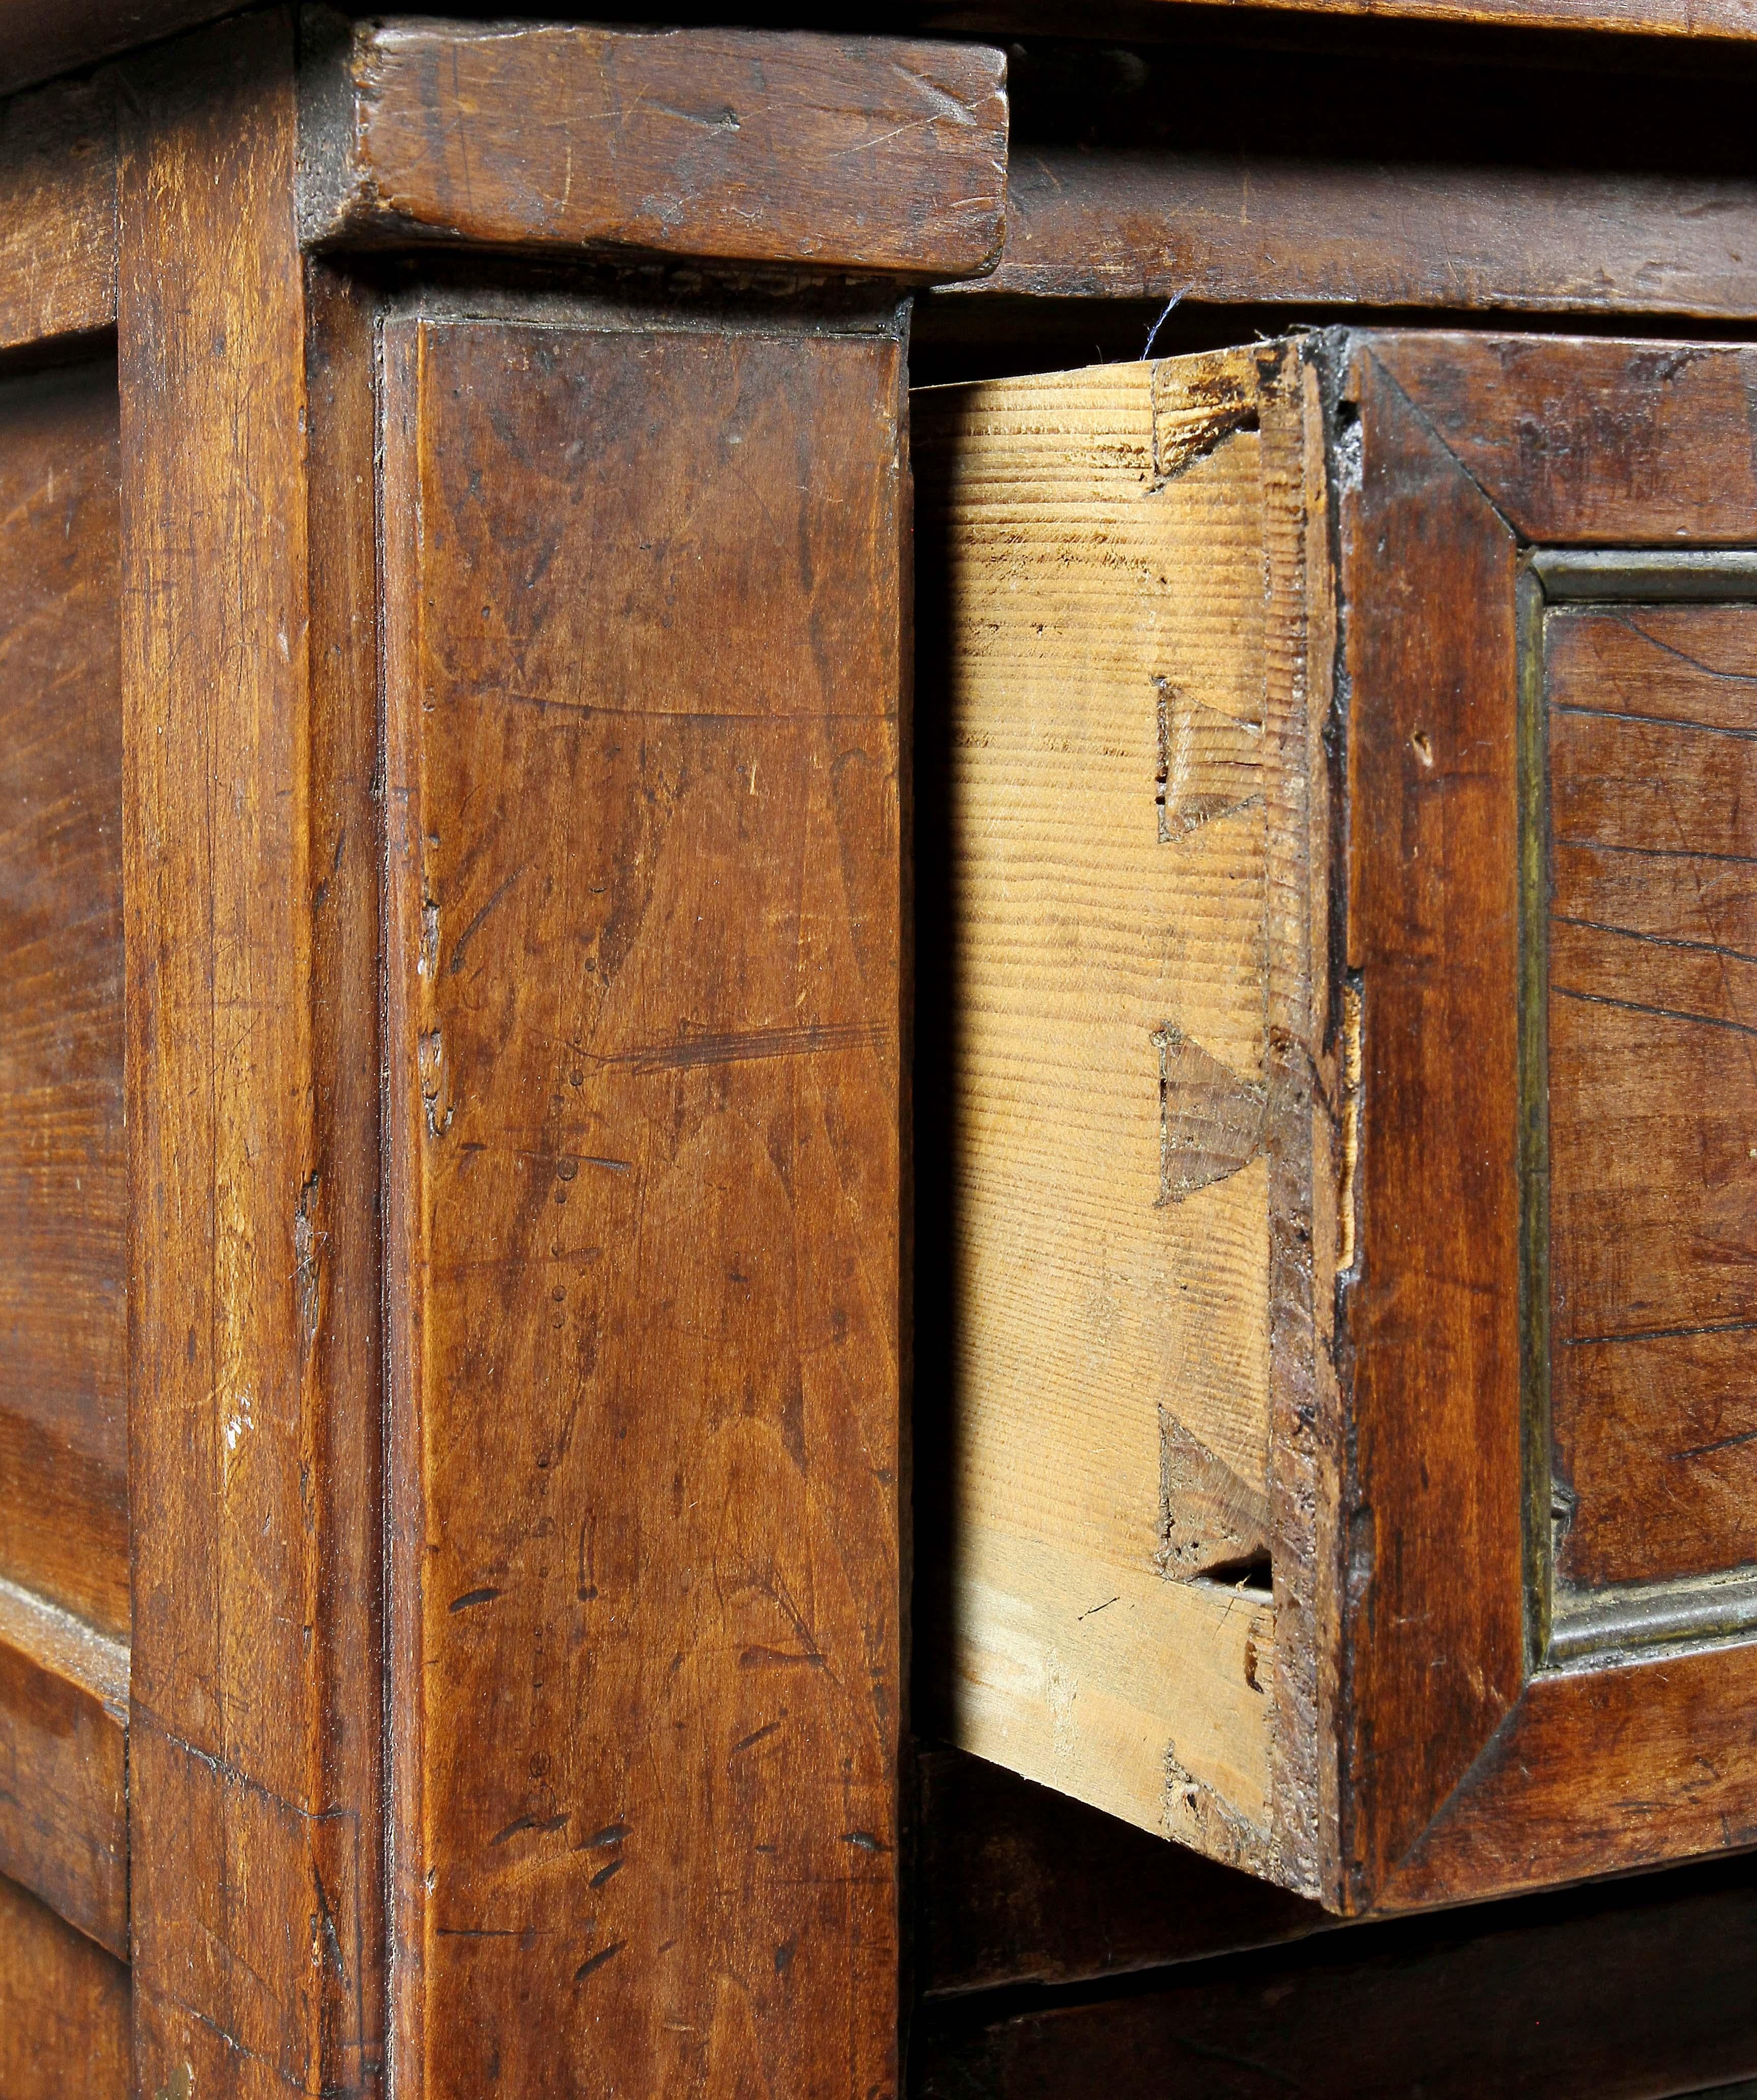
x,y
1653,947
57,212
836,153
1433,1527
250,857
63,1456
63,1808
1633,1992
1142,222
63,2007
644,676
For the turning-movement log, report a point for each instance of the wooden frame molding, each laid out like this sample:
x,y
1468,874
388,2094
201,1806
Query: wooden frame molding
x,y
1137,223
63,1809
57,212
837,153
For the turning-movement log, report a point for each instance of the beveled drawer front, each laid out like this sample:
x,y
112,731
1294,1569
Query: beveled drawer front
x,y
1349,1442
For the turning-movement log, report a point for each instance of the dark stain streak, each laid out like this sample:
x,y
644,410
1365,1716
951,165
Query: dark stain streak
x,y
489,1931
776,1658
1721,1444
472,1597
746,1045
474,927
1651,721
745,1742
1655,853
1659,1012
1670,649
1655,940
528,1823
864,1839
612,1833
598,1960
1659,1334
607,1874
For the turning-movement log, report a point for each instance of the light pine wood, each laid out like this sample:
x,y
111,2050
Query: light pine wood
x,y
1103,540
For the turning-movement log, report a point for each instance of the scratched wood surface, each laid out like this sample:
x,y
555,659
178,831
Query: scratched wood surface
x,y
1092,557
1652,1090
248,829
645,1036
63,1808
63,2007
57,212
851,152
64,1458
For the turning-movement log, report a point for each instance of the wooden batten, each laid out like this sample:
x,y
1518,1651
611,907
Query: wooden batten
x,y
64,1809
826,152
1113,224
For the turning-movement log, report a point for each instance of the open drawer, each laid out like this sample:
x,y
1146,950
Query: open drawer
x,y
1350,759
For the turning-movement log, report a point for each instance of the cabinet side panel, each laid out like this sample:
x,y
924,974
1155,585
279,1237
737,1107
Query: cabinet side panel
x,y
64,1458
1092,575
644,670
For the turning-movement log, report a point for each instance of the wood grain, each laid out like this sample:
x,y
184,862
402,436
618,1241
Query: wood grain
x,y
1653,1089
1095,659
1584,439
57,212
837,152
63,1807
63,2007
252,1392
645,1044
1139,222
1635,1992
63,1456
1435,1656
1704,19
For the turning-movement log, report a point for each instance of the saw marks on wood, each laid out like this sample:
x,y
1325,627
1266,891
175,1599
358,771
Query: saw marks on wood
x,y
1101,538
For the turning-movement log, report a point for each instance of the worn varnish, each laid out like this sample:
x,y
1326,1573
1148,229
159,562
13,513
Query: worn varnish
x,y
1652,711
839,153
63,1809
63,2007
57,212
646,1031
63,1460
252,1393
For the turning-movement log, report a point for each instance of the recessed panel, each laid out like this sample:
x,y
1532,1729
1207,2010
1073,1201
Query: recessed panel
x,y
63,1472
1652,726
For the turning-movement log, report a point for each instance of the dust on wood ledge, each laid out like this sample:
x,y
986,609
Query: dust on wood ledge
x,y
828,152
1106,653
